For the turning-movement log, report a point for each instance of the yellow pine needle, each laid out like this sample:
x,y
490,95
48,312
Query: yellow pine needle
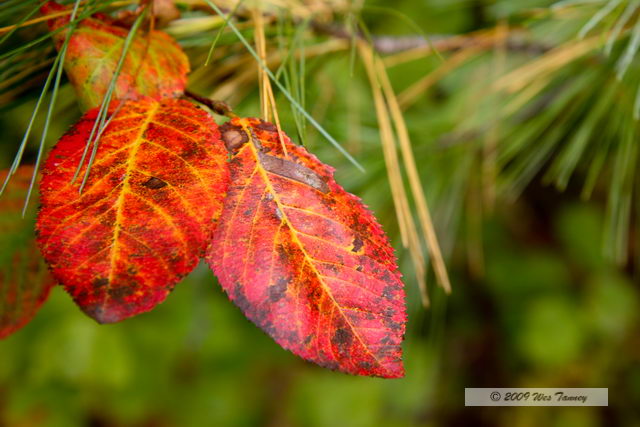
x,y
261,49
227,64
530,79
35,21
415,184
525,96
405,220
57,15
413,92
387,139
190,26
193,25
277,118
267,98
547,64
421,52
11,94
24,73
236,88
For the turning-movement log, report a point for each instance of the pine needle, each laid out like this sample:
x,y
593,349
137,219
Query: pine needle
x,y
632,48
409,22
571,3
52,103
285,92
417,190
86,12
490,146
13,28
620,24
410,95
102,121
56,70
221,30
547,64
408,229
267,99
263,77
598,17
23,144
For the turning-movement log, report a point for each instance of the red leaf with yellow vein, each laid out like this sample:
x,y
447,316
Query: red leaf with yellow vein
x,y
304,259
154,66
146,213
24,280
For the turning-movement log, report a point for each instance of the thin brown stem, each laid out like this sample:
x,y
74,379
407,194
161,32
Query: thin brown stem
x,y
218,107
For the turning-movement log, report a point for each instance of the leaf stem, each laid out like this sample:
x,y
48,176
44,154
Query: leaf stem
x,y
219,107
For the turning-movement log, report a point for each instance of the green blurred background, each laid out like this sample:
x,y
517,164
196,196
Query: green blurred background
x,y
536,301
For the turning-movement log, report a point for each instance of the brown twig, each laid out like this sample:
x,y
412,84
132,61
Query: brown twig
x,y
218,107
395,44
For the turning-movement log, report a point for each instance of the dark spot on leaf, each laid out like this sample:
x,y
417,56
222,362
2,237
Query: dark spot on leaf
x,y
121,292
357,244
314,295
277,291
292,336
100,282
240,299
342,339
342,336
154,183
359,268
295,171
387,292
364,365
333,268
270,127
233,136
261,318
391,324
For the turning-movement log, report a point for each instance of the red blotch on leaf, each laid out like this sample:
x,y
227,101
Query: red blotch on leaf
x,y
305,260
147,212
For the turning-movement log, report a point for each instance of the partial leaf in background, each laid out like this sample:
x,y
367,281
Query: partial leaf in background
x,y
305,260
146,213
24,280
155,65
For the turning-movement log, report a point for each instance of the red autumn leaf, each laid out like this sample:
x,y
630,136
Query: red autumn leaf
x,y
154,66
24,280
147,211
304,259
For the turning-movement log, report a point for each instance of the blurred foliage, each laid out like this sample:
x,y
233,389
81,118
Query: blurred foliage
x,y
526,143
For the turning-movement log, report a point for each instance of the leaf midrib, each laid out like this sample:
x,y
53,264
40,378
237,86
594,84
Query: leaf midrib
x,y
125,187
